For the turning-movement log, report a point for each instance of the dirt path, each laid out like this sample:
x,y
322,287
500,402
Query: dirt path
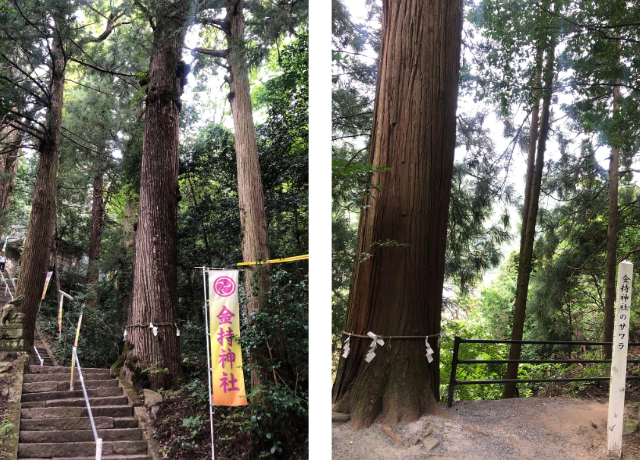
x,y
514,429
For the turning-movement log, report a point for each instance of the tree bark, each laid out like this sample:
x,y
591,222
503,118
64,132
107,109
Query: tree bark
x,y
252,214
531,159
9,166
524,267
398,290
39,239
97,217
155,296
612,244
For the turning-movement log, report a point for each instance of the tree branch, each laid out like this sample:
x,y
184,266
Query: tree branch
x,y
145,11
89,87
597,29
215,53
111,72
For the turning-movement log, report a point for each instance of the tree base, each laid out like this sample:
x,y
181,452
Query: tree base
x,y
391,391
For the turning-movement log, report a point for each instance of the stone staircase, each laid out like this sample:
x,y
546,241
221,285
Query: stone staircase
x,y
42,351
55,423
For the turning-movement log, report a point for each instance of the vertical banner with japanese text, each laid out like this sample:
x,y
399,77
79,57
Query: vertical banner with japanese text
x,y
226,355
46,284
619,358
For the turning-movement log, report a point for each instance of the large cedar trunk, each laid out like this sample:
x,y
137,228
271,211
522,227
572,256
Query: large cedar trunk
x,y
9,165
524,267
97,211
398,290
155,296
612,232
252,215
39,240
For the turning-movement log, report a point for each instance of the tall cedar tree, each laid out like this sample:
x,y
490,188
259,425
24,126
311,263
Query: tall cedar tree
x,y
97,219
252,216
612,237
524,266
253,220
155,295
39,237
398,291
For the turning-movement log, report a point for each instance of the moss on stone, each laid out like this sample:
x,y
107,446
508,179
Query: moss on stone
x,y
117,366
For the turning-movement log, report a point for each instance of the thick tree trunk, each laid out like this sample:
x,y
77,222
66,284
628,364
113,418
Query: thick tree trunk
x,y
252,215
398,290
612,233
524,267
531,158
9,166
155,296
38,243
97,215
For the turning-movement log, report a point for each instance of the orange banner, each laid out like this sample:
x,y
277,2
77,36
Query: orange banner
x,y
226,356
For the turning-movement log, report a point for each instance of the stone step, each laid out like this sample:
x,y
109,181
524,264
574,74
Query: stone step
x,y
79,449
108,457
29,405
50,395
58,377
67,370
127,434
95,402
77,423
63,412
78,402
63,385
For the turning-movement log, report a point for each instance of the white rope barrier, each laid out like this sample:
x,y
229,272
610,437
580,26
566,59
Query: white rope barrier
x,y
6,286
86,398
41,360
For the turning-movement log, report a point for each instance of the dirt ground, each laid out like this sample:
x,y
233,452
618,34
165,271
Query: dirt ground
x,y
560,428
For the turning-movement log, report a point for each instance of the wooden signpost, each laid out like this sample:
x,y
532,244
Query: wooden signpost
x,y
619,359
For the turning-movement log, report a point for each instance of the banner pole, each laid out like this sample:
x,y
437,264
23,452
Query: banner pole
x,y
206,325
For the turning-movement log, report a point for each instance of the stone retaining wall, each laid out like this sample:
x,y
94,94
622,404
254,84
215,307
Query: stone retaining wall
x,y
11,373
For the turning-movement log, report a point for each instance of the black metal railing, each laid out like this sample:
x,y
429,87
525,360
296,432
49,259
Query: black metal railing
x,y
455,361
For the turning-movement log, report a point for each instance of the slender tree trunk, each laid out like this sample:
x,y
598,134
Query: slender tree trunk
x,y
531,159
39,238
155,296
524,268
398,291
612,232
252,215
97,216
204,233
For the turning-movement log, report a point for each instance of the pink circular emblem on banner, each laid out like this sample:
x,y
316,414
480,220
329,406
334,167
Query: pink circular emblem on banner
x,y
224,286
